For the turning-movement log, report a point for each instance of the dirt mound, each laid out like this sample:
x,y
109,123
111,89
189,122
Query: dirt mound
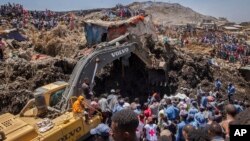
x,y
187,70
243,118
60,41
18,78
169,13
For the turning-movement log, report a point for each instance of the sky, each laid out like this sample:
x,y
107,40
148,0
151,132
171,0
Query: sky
x,y
233,10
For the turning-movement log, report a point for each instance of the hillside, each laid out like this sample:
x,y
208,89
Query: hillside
x,y
170,13
161,13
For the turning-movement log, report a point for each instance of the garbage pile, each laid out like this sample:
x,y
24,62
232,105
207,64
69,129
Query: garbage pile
x,y
20,77
50,55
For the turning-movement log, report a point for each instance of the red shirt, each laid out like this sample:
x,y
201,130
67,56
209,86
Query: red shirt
x,y
147,112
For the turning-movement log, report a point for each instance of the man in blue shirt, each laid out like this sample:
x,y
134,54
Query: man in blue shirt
x,y
200,119
230,92
172,112
237,106
204,100
179,136
119,106
218,84
193,110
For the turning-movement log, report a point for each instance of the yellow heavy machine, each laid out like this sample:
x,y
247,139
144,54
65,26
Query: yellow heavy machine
x,y
49,117
65,127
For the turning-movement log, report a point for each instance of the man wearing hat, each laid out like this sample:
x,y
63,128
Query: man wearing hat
x,y
79,107
112,99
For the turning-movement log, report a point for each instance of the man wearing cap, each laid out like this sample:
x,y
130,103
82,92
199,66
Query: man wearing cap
x,y
101,132
112,99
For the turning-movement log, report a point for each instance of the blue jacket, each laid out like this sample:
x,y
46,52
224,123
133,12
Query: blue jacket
x,y
117,108
218,84
194,124
238,108
179,135
171,112
192,111
231,90
204,101
200,119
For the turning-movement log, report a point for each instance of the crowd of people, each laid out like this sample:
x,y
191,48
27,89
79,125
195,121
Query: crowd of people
x,y
228,46
120,12
203,117
19,17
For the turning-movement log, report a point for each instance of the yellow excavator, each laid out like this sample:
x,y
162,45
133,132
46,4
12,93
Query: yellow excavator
x,y
49,117
64,127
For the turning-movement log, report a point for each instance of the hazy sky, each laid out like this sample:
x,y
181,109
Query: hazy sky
x,y
234,10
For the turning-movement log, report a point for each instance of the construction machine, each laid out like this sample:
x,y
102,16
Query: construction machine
x,y
49,117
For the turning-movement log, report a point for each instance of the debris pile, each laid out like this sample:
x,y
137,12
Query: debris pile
x,y
60,41
20,77
50,55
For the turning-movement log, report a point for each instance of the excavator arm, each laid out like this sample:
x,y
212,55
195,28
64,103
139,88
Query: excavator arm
x,y
89,65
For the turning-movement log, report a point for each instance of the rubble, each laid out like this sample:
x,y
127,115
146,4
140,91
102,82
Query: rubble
x,y
59,41
50,55
20,77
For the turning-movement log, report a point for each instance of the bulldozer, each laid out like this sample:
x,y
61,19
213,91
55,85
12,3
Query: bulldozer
x,y
49,117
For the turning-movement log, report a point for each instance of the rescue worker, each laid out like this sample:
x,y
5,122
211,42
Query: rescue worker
x,y
79,108
230,92
86,89
218,84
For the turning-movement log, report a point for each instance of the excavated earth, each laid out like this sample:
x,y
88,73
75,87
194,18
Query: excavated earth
x,y
19,76
20,73
243,118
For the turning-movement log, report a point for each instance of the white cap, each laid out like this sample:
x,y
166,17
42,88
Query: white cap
x,y
112,90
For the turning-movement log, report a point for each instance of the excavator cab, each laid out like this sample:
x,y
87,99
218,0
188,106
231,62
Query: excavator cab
x,y
44,97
